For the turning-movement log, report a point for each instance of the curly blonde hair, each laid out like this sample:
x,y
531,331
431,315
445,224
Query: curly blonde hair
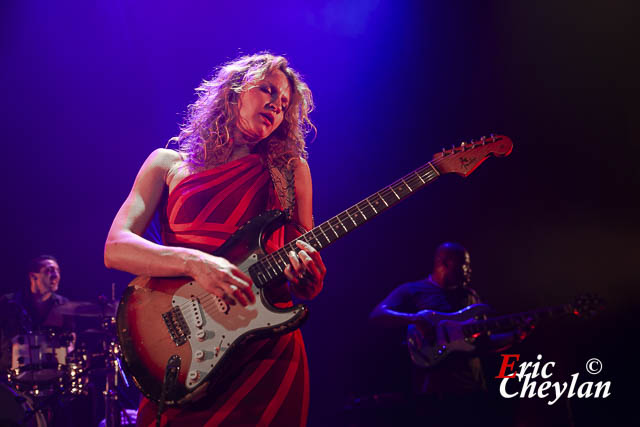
x,y
205,137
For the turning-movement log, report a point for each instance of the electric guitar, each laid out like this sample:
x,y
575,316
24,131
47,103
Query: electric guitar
x,y
458,331
176,338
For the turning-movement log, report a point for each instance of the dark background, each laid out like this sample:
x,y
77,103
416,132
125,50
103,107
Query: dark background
x,y
90,88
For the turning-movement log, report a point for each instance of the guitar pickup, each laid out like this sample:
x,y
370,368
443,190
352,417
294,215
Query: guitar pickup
x,y
197,312
176,325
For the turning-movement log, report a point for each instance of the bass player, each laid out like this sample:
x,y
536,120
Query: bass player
x,y
440,392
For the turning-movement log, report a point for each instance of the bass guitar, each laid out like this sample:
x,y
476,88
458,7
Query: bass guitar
x,y
457,332
176,338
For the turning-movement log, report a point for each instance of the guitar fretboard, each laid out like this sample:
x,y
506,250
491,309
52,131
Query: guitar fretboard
x,y
512,321
271,267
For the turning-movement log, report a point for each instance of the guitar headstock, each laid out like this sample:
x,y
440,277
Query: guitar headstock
x,y
466,157
587,305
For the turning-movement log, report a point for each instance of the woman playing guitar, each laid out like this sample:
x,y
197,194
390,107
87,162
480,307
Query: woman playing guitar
x,y
240,152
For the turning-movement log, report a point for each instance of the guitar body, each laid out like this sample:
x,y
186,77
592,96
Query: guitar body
x,y
161,317
427,349
457,332
171,328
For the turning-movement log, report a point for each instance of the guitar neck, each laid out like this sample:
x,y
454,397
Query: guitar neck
x,y
272,266
462,160
513,321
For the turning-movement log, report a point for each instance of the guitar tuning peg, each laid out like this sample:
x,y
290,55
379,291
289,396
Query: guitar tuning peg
x,y
444,152
492,136
483,140
463,145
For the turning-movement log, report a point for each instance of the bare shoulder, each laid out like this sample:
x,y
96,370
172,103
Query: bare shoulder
x,y
301,170
304,192
299,162
165,164
302,176
163,158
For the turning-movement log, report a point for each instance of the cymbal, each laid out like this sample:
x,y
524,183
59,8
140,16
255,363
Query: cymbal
x,y
87,309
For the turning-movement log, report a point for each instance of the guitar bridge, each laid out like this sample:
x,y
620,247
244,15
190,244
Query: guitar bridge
x,y
177,326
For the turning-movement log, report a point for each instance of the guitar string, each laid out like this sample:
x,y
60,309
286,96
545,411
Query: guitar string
x,y
384,193
415,178
514,319
415,174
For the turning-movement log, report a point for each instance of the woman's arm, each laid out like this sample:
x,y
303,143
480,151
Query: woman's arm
x,y
307,271
126,250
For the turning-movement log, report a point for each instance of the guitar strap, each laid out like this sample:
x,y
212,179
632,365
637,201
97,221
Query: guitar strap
x,y
283,178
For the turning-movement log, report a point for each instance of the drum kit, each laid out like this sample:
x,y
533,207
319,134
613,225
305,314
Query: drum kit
x,y
49,366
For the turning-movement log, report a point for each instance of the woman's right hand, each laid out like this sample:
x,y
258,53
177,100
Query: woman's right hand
x,y
222,278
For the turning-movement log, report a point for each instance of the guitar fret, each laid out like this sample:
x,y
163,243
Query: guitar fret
x,y
292,245
262,272
283,258
372,207
434,169
352,220
362,213
274,264
408,186
270,269
325,236
280,267
283,252
328,224
257,271
318,244
416,181
345,228
357,215
271,272
334,227
345,221
258,274
394,192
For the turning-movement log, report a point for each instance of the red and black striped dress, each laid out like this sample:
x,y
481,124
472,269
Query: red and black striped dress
x,y
269,383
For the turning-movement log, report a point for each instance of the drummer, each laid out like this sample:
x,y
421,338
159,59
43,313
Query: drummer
x,y
32,308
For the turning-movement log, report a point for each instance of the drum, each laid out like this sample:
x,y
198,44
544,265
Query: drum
x,y
36,359
75,377
17,409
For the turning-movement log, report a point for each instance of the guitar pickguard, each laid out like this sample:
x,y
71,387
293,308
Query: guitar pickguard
x,y
213,326
164,318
